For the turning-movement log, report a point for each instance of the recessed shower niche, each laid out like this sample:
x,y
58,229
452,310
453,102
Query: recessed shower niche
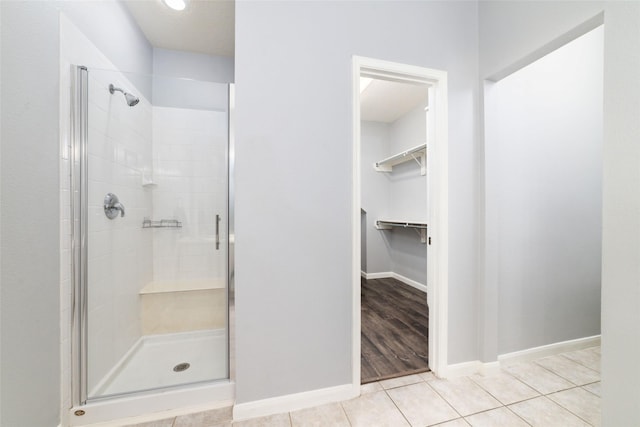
x,y
150,215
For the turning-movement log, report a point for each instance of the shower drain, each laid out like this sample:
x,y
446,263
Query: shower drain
x,y
181,367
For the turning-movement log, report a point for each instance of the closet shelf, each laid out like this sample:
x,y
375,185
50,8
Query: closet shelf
x,y
419,154
419,227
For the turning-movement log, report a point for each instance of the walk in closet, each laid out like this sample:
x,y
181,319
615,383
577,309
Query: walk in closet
x,y
395,123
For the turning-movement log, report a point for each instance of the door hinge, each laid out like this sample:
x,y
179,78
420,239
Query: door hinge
x,y
429,240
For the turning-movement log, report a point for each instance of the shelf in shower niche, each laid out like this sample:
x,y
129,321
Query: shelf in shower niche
x,y
163,223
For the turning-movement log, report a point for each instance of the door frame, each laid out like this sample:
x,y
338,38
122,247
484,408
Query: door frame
x,y
437,196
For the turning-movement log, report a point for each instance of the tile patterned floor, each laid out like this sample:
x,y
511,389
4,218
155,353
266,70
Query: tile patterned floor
x,y
555,391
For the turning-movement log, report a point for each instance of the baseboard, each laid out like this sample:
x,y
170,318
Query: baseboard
x,y
477,367
294,402
382,275
390,274
463,369
414,284
549,350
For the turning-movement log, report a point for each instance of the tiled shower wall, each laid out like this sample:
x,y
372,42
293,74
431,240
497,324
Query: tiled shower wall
x,y
190,173
120,251
184,152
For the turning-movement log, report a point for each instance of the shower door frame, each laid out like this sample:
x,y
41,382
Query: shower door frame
x,y
183,396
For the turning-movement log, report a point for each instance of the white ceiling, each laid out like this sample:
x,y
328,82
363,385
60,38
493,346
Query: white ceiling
x,y
386,101
205,26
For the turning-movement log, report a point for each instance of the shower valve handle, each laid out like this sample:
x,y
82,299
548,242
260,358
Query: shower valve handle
x,y
112,206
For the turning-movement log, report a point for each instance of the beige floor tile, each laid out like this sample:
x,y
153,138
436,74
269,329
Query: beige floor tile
x,y
580,402
400,381
594,388
370,388
506,388
500,417
427,376
464,395
331,414
204,419
278,420
373,409
543,412
569,370
537,377
459,422
587,357
421,405
167,422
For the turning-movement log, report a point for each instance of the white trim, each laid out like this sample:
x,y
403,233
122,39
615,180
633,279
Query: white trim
x,y
466,369
463,369
437,193
413,283
477,367
294,402
549,350
155,404
381,275
390,274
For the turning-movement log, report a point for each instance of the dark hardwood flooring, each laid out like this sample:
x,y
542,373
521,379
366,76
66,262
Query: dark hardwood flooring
x,y
395,324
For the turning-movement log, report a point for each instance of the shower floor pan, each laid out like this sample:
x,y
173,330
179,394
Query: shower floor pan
x,y
157,361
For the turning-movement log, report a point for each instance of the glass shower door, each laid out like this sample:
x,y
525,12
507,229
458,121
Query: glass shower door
x,y
156,201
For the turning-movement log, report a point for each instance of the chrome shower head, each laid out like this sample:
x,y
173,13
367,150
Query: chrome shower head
x,y
131,99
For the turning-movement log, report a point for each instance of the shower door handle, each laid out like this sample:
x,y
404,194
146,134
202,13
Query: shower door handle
x,y
112,206
217,232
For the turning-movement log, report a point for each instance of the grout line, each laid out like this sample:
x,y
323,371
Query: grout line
x,y
345,412
583,387
442,397
396,405
516,414
578,362
565,408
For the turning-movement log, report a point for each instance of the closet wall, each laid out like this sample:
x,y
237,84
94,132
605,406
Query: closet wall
x,y
399,195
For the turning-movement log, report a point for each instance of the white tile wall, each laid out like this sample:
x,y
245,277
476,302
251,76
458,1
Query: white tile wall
x,y
120,255
190,172
120,251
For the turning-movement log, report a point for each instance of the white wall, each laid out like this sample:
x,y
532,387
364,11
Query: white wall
x,y
545,157
510,31
293,178
114,32
190,65
191,80
29,221
375,194
408,197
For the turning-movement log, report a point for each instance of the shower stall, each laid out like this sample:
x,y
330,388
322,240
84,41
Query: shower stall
x,y
151,226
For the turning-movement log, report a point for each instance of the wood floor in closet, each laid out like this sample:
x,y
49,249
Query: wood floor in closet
x,y
395,323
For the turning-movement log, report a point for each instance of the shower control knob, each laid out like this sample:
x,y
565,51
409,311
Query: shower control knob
x,y
112,206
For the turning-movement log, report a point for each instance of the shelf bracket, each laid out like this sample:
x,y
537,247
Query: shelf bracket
x,y
422,233
420,161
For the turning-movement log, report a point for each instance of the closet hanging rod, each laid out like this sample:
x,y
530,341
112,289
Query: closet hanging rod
x,y
419,227
401,157
404,224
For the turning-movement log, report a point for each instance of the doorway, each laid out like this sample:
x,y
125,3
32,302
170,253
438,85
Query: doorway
x,y
426,222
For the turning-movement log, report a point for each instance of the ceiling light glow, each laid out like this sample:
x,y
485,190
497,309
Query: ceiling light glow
x,y
176,4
